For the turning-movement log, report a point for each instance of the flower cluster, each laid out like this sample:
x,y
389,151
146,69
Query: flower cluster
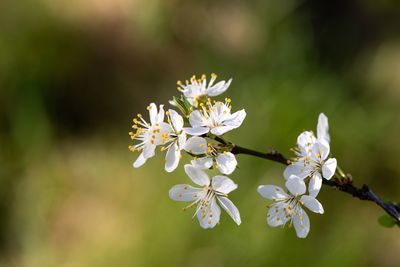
x,y
311,165
198,131
196,127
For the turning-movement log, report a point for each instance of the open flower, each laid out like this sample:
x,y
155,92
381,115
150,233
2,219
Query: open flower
x,y
225,161
150,135
288,207
207,197
215,118
197,89
312,157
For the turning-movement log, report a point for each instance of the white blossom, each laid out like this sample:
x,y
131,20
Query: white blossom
x,y
208,197
225,161
288,207
312,157
215,118
198,89
149,135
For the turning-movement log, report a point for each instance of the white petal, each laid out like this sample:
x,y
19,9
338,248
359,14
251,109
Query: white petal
x,y
226,162
218,88
160,115
312,204
196,145
220,130
202,163
149,150
172,103
236,119
164,127
296,169
197,175
223,184
196,119
153,113
185,192
196,130
323,128
176,119
323,148
329,168
306,139
315,184
271,192
172,158
208,216
276,215
301,224
182,140
230,208
139,161
295,185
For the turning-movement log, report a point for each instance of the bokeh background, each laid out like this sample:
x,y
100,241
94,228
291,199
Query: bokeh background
x,y
74,72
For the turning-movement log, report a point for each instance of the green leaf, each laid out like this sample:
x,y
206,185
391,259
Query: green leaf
x,y
386,221
179,103
186,103
183,105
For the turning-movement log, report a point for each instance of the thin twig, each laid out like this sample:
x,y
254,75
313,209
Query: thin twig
x,y
346,185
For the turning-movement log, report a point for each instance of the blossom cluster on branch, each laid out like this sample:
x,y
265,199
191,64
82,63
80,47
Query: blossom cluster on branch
x,y
206,120
310,164
198,130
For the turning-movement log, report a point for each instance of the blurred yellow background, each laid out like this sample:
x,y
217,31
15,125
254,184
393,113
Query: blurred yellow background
x,y
73,74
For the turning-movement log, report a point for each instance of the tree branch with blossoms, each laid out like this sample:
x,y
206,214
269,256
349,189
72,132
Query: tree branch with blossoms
x,y
343,182
199,132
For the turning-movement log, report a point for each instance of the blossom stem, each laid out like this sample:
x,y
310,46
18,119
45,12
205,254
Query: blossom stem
x,y
363,193
273,155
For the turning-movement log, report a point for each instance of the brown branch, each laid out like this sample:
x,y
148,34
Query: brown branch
x,y
345,185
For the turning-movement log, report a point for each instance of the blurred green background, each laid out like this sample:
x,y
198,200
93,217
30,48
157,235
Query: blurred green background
x,y
74,72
